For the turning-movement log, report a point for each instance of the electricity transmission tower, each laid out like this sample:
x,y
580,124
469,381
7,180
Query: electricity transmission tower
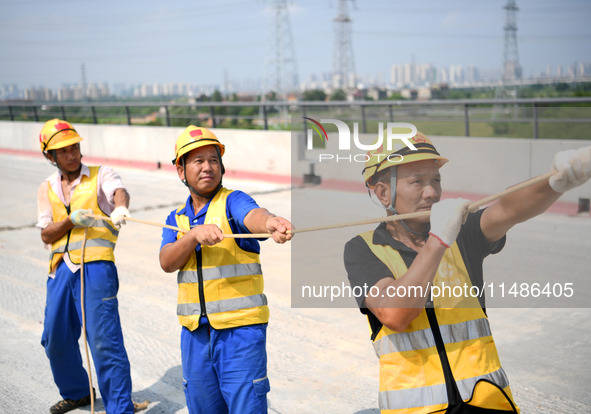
x,y
281,74
343,70
511,70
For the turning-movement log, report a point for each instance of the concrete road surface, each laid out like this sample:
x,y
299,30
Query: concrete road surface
x,y
320,360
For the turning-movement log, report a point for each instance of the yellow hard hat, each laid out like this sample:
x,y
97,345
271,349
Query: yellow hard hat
x,y
381,158
195,137
57,134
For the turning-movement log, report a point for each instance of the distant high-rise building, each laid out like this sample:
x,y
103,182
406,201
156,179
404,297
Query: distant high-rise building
x,y
39,94
83,79
472,74
455,74
11,91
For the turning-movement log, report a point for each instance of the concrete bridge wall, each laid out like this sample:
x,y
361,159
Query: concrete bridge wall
x,y
477,165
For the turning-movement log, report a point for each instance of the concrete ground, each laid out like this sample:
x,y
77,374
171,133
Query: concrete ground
x,y
320,359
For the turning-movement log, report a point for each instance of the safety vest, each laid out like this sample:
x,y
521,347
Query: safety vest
x,y
411,373
222,281
102,235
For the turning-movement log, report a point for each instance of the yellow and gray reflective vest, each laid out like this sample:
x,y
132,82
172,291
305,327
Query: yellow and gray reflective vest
x,y
412,377
102,235
222,281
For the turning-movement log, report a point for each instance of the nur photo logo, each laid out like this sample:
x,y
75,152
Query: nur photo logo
x,y
392,137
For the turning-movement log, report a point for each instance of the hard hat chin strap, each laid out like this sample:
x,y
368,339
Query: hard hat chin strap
x,y
392,209
52,153
393,181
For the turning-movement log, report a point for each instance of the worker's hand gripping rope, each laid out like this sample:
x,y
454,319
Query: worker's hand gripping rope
x,y
82,218
447,217
573,168
119,215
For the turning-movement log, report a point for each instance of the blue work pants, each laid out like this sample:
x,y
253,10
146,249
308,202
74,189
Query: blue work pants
x,y
62,329
225,371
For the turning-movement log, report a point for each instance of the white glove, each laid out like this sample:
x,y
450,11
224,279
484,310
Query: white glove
x,y
447,217
118,216
573,169
79,218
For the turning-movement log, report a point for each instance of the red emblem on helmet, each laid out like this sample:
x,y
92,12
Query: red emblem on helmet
x,y
61,125
196,132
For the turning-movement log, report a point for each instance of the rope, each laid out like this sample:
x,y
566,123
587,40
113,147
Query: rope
x,y
182,230
84,320
136,406
473,207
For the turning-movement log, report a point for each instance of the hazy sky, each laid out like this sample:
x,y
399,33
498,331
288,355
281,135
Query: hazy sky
x,y
44,42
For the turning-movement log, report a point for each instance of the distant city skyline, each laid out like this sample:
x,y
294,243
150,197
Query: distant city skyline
x,y
45,43
404,79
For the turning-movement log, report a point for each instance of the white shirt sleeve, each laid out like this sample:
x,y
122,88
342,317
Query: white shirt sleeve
x,y
108,182
44,211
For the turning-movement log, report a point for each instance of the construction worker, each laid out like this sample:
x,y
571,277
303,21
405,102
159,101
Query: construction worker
x,y
437,354
221,305
64,200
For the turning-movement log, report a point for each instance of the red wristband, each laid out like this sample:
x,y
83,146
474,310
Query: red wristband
x,y
438,238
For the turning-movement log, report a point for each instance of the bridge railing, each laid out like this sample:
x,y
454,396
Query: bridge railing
x,y
526,118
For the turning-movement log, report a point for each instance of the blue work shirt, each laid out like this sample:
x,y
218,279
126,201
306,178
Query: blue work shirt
x,y
238,205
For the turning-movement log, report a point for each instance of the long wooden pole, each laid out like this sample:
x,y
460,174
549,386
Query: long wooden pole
x,y
473,207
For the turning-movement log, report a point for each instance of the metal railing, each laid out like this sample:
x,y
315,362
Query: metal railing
x,y
264,115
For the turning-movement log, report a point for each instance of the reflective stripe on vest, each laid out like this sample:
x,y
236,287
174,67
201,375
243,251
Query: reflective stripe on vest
x,y
241,269
435,394
411,374
226,305
232,285
60,246
101,235
89,244
423,338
